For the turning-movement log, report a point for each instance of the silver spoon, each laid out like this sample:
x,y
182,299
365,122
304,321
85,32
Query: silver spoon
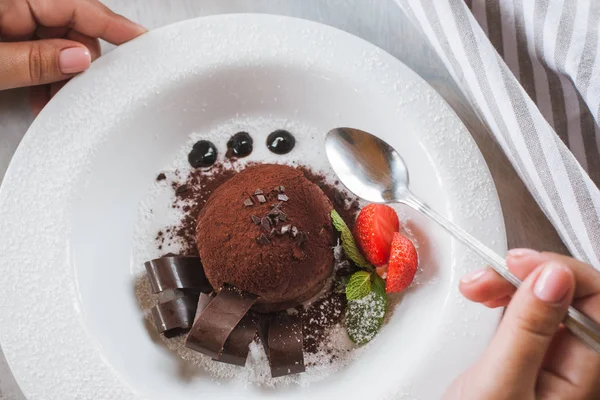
x,y
374,171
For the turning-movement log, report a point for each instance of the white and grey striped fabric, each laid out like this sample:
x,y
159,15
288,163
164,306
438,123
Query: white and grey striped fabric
x,y
536,84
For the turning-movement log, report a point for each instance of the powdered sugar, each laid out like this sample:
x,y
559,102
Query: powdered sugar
x,y
365,317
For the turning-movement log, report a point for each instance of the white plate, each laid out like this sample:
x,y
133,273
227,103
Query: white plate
x,y
70,204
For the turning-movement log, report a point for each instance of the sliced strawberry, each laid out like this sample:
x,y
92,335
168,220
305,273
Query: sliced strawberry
x,y
402,266
373,232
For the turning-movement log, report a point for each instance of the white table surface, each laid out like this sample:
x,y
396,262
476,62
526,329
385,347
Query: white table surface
x,y
381,22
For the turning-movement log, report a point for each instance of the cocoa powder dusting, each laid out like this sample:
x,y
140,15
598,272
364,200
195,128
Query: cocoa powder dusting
x,y
199,186
319,318
344,203
282,270
191,196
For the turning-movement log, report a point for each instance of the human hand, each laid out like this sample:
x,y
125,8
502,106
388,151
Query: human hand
x,y
68,33
532,356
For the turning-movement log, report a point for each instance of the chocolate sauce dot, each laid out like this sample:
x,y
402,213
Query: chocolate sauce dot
x,y
203,154
281,142
240,145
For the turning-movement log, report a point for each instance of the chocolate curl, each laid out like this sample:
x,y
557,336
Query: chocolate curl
x,y
174,272
175,316
237,345
284,345
215,324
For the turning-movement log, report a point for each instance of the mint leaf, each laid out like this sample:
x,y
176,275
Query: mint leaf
x,y
378,284
359,285
364,317
348,243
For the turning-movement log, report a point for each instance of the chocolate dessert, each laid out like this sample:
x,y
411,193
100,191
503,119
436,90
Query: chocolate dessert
x,y
257,245
268,231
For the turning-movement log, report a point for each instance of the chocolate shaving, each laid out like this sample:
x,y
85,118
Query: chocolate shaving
x,y
255,219
282,216
282,197
265,224
294,231
174,317
215,324
285,345
261,198
173,272
274,213
248,202
258,191
281,188
262,239
285,229
237,345
181,189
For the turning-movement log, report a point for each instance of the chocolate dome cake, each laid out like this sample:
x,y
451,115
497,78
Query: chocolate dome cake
x,y
268,231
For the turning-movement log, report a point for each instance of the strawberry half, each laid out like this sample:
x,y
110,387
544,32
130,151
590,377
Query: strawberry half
x,y
373,231
402,266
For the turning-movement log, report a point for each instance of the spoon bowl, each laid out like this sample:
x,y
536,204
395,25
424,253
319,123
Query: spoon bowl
x,y
376,173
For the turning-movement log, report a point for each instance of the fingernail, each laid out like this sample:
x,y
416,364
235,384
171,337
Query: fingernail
x,y
141,28
473,276
74,60
553,284
522,253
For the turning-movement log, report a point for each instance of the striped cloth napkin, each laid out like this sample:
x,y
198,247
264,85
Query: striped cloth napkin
x,y
531,70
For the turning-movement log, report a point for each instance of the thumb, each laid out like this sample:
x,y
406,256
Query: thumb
x,y
40,62
529,324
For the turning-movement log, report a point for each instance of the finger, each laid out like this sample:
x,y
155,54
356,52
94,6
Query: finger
x,y
491,286
45,32
501,302
570,357
588,278
16,22
40,62
574,362
39,96
90,17
523,261
92,44
484,285
529,324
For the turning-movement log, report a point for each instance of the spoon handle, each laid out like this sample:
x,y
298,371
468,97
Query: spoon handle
x,y
580,325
